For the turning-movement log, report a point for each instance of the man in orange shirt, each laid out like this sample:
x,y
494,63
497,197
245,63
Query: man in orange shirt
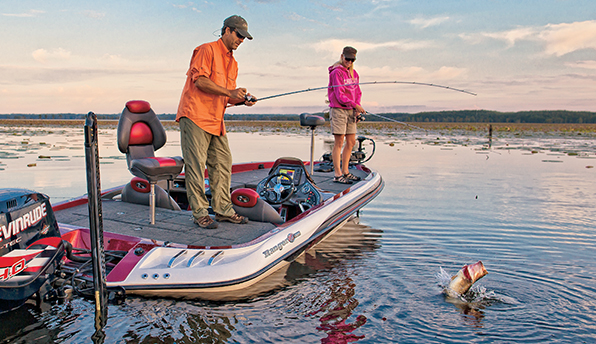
x,y
210,86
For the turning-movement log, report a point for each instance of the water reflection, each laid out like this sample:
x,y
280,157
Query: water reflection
x,y
473,313
323,276
335,311
321,285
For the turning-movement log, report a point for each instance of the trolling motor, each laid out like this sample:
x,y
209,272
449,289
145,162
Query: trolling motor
x,y
358,155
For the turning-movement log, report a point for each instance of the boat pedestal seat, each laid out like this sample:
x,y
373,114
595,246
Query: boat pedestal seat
x,y
140,134
247,202
155,169
312,121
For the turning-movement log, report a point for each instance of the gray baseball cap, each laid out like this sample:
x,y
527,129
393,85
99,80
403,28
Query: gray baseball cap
x,y
349,52
239,24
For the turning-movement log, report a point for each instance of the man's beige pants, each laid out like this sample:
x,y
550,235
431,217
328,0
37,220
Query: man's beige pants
x,y
200,148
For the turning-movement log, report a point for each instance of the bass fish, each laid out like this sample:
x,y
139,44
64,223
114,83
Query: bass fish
x,y
465,278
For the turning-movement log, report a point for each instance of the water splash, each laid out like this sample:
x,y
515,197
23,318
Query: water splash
x,y
476,296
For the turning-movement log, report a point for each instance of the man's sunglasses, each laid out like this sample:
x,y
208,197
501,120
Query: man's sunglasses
x,y
351,60
239,35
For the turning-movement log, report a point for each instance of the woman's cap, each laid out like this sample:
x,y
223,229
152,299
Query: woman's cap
x,y
349,52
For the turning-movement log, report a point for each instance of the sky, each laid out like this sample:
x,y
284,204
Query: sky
x,y
61,56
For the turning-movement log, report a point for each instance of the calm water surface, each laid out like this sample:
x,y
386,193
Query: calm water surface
x,y
526,207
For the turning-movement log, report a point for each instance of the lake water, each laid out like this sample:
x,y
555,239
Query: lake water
x,y
525,207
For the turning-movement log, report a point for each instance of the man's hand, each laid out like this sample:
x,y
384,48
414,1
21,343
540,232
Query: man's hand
x,y
250,100
206,85
238,94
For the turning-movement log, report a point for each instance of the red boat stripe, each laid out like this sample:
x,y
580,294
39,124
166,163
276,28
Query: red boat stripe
x,y
6,262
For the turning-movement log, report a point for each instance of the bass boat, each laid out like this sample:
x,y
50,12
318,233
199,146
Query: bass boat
x,y
151,245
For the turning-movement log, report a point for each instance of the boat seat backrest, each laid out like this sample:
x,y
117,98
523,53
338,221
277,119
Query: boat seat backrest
x,y
140,133
247,202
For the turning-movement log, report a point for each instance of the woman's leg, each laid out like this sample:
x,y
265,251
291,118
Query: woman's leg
x,y
336,154
347,153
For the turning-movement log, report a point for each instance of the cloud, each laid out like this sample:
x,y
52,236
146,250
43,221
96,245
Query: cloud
x,y
31,13
423,23
336,45
512,36
558,39
591,64
294,17
28,75
190,5
43,56
412,73
565,38
94,14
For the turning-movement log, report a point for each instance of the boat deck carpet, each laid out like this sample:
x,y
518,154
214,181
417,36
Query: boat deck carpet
x,y
177,226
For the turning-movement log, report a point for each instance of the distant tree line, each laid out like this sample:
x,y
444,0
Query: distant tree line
x,y
486,116
467,116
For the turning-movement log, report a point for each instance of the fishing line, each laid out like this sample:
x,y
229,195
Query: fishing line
x,y
396,121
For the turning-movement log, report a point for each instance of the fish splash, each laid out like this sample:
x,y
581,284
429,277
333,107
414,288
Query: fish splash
x,y
459,284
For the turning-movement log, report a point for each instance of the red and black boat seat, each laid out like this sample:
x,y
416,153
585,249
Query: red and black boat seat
x,y
140,134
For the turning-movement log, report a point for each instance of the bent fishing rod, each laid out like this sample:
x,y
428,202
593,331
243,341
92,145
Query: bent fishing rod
x,y
361,83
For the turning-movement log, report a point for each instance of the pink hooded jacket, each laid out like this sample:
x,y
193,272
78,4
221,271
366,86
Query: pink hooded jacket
x,y
344,97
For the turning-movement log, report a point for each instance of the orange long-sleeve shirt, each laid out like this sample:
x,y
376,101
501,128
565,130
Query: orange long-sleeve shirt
x,y
214,61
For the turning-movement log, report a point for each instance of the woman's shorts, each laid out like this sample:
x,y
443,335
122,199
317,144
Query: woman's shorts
x,y
343,121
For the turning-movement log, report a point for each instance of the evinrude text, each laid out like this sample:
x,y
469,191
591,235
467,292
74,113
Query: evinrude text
x,y
22,223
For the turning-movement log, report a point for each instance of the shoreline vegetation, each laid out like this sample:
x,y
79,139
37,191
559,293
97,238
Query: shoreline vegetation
x,y
368,125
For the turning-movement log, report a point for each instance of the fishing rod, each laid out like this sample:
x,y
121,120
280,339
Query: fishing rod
x,y
362,83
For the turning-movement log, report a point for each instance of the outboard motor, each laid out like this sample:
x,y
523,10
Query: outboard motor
x,y
31,248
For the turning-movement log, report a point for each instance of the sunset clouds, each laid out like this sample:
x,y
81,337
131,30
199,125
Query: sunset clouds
x,y
94,56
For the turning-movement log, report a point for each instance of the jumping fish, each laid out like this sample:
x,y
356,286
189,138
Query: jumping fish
x,y
465,278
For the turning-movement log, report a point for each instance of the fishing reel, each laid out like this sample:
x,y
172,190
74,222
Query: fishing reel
x,y
250,98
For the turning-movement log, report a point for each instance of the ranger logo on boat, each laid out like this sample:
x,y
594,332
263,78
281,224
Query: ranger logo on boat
x,y
22,223
280,246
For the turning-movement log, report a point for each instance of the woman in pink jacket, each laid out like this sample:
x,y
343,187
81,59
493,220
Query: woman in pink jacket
x,y
344,102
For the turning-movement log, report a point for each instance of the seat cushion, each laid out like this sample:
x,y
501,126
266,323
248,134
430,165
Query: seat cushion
x,y
154,169
244,197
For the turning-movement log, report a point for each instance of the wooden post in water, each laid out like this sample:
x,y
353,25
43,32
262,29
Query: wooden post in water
x,y
490,135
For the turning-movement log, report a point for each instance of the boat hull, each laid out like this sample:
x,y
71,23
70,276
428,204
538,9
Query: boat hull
x,y
170,269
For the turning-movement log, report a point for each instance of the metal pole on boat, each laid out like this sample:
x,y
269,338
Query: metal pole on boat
x,y
312,150
95,222
311,121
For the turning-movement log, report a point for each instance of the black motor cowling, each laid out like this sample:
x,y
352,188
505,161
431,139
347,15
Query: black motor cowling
x,y
31,248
